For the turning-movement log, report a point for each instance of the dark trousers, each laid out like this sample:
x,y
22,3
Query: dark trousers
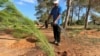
x,y
57,32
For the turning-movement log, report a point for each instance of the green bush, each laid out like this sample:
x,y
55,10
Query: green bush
x,y
80,22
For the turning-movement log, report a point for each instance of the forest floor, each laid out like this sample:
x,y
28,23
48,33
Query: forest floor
x,y
84,43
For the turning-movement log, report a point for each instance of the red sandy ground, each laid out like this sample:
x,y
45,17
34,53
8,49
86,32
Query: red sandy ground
x,y
10,47
72,48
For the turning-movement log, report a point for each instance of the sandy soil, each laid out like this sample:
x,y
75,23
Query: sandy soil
x,y
27,47
74,47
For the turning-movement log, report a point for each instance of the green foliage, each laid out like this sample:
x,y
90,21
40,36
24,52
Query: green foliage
x,y
80,22
2,2
21,27
42,9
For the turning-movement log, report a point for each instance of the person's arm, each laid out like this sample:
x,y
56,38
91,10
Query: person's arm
x,y
49,17
58,17
46,22
51,13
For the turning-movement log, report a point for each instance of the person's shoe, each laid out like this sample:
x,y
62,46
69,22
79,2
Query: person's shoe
x,y
55,42
58,44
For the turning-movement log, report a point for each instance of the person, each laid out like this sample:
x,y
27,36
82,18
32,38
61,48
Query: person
x,y
57,21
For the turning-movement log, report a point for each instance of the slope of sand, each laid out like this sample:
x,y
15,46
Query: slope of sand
x,y
11,47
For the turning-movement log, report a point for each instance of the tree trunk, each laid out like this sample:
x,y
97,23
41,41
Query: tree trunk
x,y
71,21
87,15
79,13
67,13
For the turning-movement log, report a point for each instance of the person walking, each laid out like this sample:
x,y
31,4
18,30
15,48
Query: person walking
x,y
57,21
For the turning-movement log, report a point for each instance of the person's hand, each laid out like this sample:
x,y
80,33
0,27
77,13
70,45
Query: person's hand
x,y
46,24
55,22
